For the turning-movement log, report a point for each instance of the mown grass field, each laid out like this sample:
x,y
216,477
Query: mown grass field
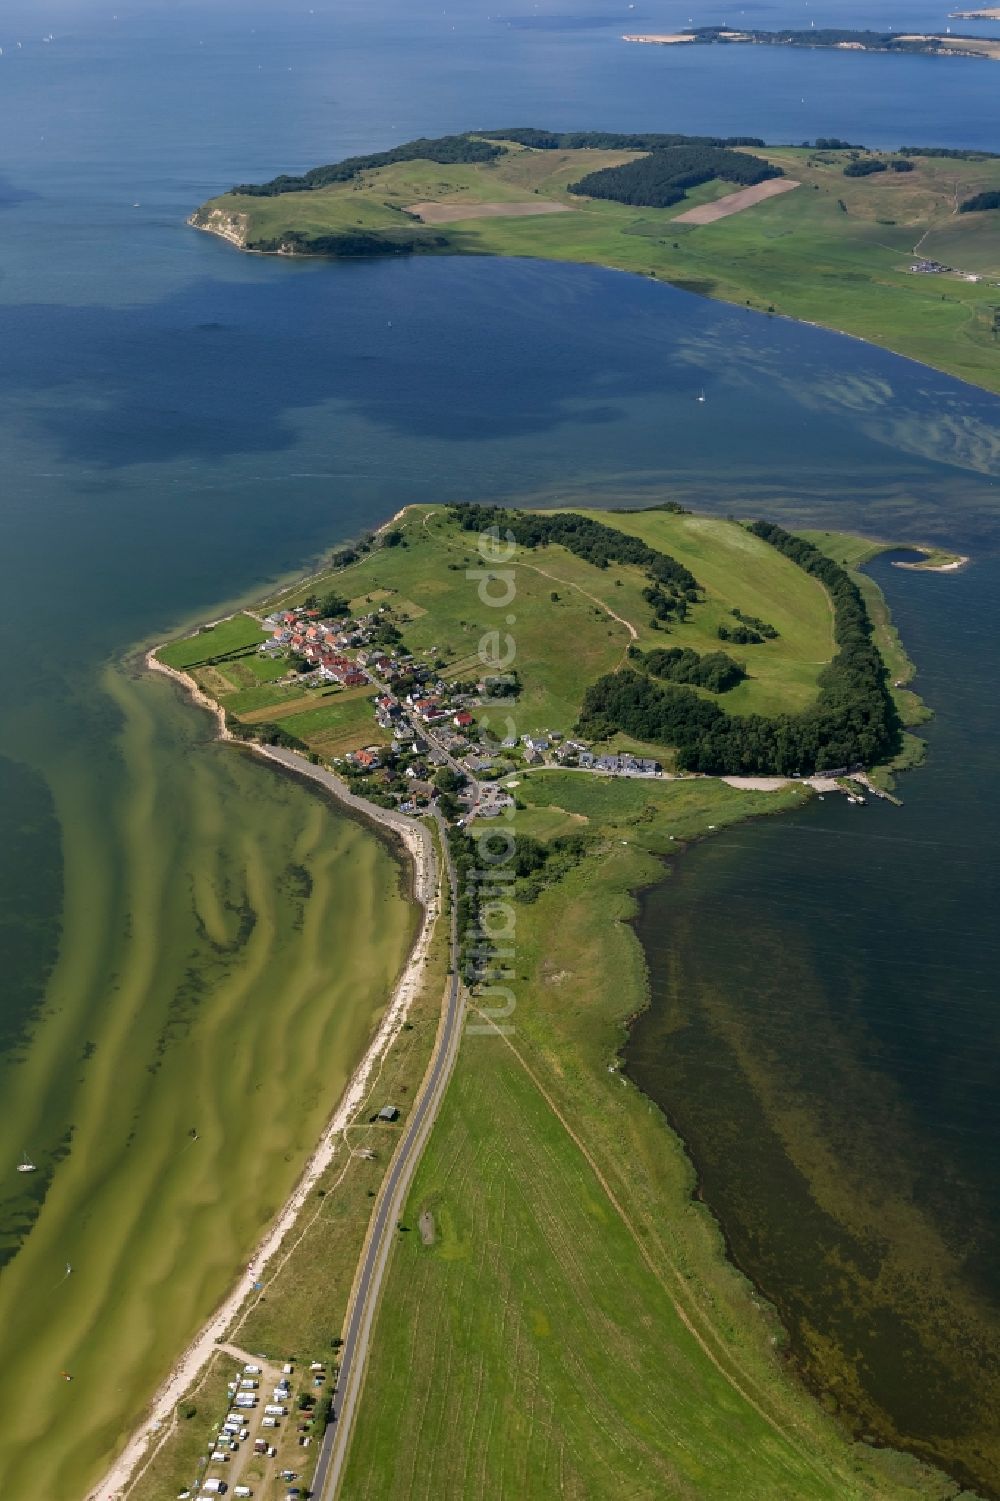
x,y
215,641
574,1329
834,251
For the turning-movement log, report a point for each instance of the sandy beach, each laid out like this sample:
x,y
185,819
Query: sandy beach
x,y
925,567
121,1476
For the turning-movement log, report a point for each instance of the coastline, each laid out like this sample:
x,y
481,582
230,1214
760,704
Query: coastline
x,y
656,276
958,562
147,1439
418,843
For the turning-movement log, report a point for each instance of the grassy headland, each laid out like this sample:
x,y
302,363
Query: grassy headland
x,y
841,250
560,1313
747,608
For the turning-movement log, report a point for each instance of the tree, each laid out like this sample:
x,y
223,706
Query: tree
x,y
332,606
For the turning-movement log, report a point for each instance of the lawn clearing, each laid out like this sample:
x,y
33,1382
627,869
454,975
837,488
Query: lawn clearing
x,y
215,641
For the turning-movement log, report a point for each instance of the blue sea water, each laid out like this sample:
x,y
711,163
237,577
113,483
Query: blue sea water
x,y
179,423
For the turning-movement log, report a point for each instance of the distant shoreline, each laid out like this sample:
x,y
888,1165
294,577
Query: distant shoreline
x,y
907,44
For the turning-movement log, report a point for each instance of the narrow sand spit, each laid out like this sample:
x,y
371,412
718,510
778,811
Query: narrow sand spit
x,y
735,203
420,845
447,213
933,567
662,38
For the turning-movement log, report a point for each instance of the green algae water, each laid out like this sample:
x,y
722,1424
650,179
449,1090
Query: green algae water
x,y
208,1002
192,948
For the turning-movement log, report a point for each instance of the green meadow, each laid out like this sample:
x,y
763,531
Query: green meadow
x,y
835,251
572,619
571,1326
191,1051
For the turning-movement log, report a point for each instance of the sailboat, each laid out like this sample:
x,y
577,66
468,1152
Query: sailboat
x,y
26,1165
701,395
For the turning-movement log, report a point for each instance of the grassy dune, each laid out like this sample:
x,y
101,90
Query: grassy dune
x,y
835,251
217,987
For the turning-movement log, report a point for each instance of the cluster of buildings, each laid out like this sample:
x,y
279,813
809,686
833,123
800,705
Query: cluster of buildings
x,y
623,765
924,267
414,698
549,749
325,644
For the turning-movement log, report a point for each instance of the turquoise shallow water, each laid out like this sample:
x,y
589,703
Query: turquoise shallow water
x,y
180,424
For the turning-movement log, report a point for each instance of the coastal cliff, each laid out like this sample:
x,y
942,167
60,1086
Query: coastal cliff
x,y
228,226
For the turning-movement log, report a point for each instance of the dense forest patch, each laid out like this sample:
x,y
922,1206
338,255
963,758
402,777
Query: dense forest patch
x,y
443,149
680,664
979,203
663,177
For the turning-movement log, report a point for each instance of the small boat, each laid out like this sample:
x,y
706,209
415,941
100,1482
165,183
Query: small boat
x,y
26,1165
701,395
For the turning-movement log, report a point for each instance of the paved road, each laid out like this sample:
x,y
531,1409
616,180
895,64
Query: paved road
x,y
382,1230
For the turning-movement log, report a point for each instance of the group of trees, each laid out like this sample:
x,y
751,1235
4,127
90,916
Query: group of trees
x,y
750,630
329,606
831,143
593,540
679,664
740,635
853,720
350,244
663,177
266,733
979,203
443,149
609,140
867,166
951,153
765,631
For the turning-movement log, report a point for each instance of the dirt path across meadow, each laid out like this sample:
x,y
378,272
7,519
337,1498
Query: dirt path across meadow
x,y
735,203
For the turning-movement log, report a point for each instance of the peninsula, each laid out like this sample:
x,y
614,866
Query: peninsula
x,y
899,248
531,678
917,43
